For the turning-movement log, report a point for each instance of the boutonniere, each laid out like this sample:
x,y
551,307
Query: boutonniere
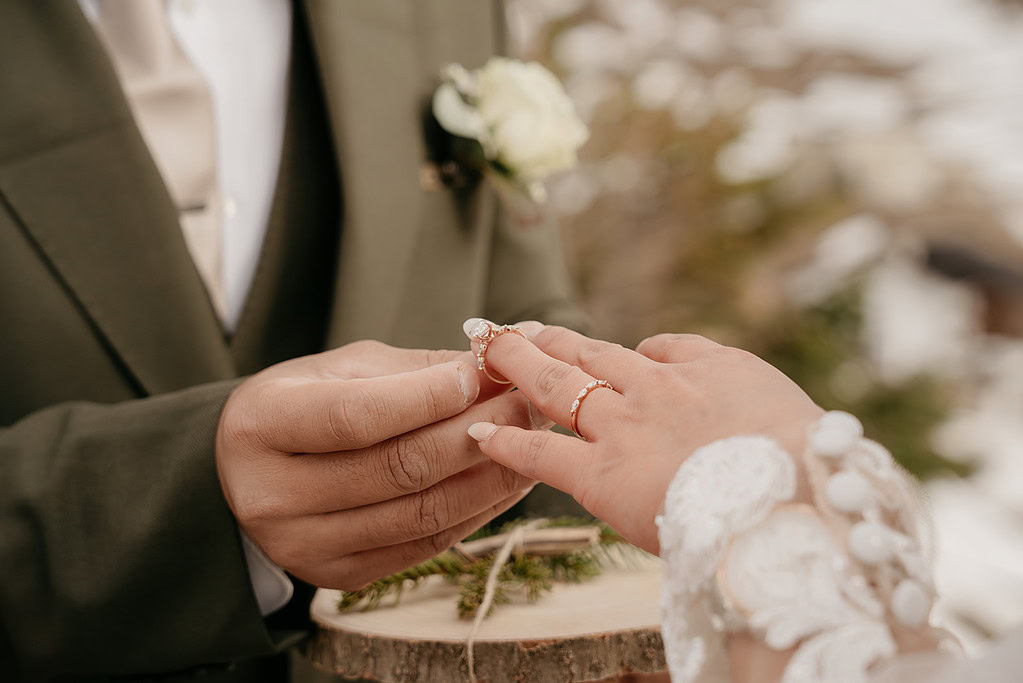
x,y
514,124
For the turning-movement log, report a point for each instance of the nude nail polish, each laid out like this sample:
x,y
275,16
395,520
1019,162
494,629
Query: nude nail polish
x,y
469,326
481,431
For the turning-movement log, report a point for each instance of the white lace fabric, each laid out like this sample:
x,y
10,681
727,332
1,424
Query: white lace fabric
x,y
837,580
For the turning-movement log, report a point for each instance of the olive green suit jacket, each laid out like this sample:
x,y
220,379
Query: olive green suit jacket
x,y
118,554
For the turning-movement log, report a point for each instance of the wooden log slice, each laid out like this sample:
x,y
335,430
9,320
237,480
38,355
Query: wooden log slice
x,y
600,629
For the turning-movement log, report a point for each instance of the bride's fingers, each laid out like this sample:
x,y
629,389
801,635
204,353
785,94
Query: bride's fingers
x,y
552,385
555,459
601,359
675,348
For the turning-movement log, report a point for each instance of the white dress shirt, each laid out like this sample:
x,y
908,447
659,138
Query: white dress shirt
x,y
242,50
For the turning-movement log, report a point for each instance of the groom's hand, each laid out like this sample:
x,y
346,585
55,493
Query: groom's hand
x,y
353,464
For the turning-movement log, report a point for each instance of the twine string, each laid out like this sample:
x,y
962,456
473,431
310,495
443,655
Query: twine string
x,y
515,539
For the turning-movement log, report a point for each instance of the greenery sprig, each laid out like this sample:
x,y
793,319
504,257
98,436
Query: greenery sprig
x,y
533,574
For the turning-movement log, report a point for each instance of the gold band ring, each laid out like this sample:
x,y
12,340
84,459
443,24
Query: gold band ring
x,y
485,333
583,393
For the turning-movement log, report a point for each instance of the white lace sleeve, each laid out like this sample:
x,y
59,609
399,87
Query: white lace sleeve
x,y
839,580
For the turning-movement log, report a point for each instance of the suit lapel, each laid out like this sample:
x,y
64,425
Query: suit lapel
x,y
77,176
380,63
367,55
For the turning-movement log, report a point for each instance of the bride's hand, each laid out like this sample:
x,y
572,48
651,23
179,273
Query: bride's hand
x,y
675,393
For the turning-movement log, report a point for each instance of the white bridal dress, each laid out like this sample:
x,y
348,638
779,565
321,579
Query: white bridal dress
x,y
841,576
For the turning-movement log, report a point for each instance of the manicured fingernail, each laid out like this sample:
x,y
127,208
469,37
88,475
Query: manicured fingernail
x,y
481,431
469,381
530,328
469,326
538,419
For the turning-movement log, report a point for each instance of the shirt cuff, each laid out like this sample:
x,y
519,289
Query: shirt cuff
x,y
271,585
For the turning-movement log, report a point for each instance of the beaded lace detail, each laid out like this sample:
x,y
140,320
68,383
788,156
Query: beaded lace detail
x,y
831,579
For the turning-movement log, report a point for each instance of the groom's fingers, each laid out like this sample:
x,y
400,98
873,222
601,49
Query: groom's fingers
x,y
414,516
358,569
370,358
555,459
398,467
600,359
318,416
375,359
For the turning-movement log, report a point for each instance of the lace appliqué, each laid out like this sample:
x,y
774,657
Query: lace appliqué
x,y
830,579
724,488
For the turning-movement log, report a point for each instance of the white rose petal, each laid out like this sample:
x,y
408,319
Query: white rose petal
x,y
528,118
454,114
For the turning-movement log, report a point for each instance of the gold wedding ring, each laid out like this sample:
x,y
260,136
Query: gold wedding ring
x,y
583,393
484,333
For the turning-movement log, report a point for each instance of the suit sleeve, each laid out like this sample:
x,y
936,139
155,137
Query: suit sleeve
x,y
118,552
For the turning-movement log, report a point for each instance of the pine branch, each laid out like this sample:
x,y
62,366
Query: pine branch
x,y
531,573
447,564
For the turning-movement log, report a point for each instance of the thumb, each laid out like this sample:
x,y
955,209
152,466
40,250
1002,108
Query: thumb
x,y
345,414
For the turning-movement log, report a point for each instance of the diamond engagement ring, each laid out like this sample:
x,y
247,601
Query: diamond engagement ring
x,y
484,333
583,393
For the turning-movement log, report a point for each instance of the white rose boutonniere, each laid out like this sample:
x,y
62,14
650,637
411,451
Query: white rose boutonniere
x,y
521,117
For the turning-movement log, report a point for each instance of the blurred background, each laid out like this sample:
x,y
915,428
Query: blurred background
x,y
836,185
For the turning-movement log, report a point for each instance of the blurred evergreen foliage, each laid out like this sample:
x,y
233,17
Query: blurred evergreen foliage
x,y
676,248
812,347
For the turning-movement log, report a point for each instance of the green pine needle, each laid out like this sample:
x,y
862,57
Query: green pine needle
x,y
532,575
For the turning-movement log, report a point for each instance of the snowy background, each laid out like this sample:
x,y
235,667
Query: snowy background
x,y
836,185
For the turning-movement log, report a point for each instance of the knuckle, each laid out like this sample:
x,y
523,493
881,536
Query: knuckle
x,y
433,544
340,417
416,551
405,463
550,333
741,355
431,511
350,418
682,347
366,347
674,341
432,398
351,575
237,424
590,353
248,512
702,344
263,490
248,416
256,510
655,340
438,356
290,556
550,377
535,448
510,481
683,337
